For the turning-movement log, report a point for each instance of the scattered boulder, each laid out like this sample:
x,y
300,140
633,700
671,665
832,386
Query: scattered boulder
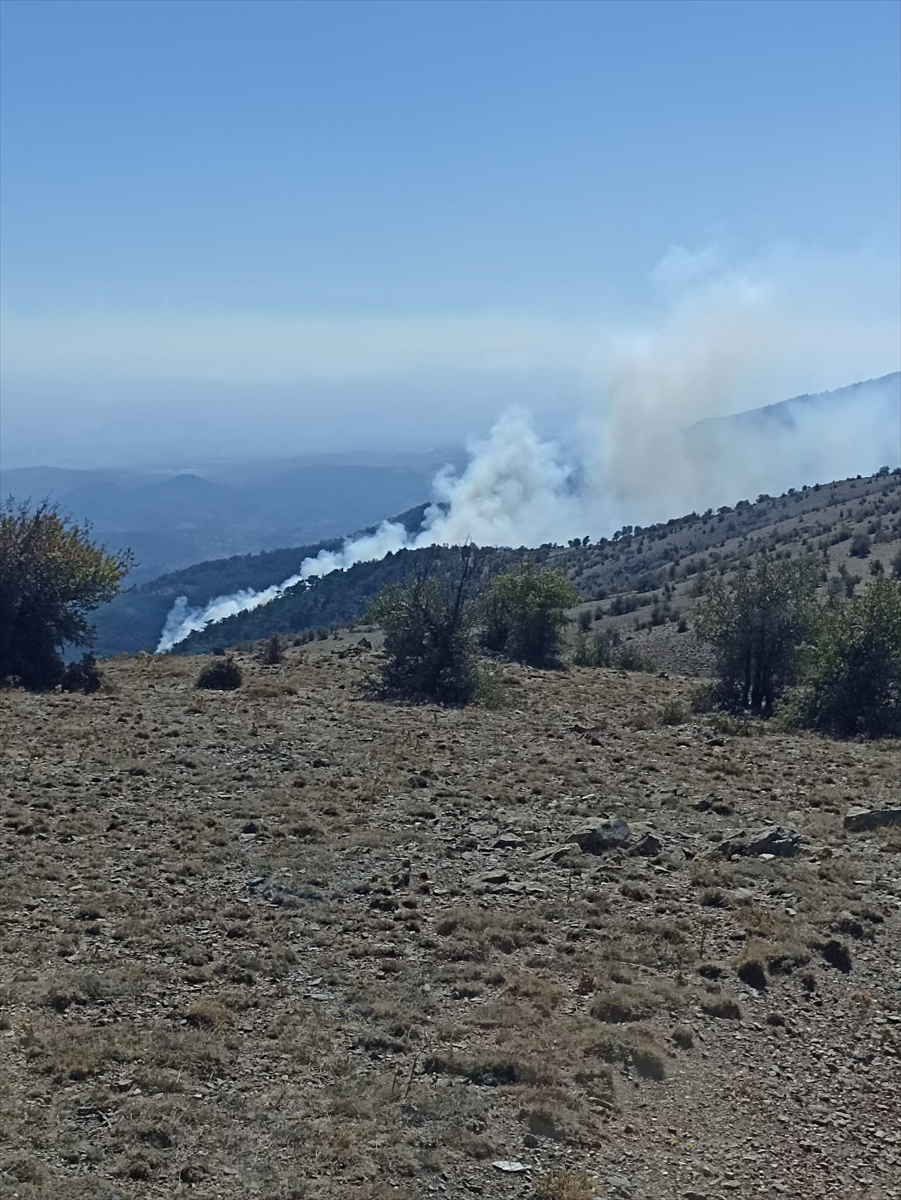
x,y
556,853
861,820
774,840
647,846
488,879
599,834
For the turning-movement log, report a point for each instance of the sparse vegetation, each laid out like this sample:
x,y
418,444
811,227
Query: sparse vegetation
x,y
376,907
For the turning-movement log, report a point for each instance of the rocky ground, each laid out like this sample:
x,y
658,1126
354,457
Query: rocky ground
x,y
293,942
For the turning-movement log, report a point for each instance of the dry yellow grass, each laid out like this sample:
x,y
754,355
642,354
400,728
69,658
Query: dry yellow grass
x,y
261,944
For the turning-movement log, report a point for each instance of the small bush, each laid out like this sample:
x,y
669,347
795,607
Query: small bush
x,y
489,691
223,675
585,620
672,713
83,676
860,546
629,658
272,652
596,651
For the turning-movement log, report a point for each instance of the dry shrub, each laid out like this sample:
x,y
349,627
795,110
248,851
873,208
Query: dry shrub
x,y
221,675
566,1185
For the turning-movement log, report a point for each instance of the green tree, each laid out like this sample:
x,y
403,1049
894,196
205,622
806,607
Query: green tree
x,y
51,577
852,684
524,614
429,653
757,623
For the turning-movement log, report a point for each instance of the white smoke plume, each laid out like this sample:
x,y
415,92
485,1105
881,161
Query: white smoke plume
x,y
724,346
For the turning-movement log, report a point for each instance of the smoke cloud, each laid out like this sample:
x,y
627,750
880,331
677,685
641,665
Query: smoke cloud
x,y
653,448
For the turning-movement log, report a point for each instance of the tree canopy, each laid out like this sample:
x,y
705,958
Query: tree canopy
x,y
428,649
852,683
524,614
757,623
51,577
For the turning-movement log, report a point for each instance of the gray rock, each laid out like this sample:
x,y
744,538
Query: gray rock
x,y
483,830
597,835
648,846
488,879
782,843
556,853
859,820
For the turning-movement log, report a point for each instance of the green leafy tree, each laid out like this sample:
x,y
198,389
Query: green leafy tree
x,y
429,652
51,576
852,684
524,614
757,623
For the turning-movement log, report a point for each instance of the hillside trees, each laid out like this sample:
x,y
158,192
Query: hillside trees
x,y
852,684
51,576
524,614
757,623
435,621
429,651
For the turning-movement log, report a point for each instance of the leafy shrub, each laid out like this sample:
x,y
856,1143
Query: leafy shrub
x,y
223,675
596,651
757,624
524,614
629,658
273,651
429,652
852,684
82,676
860,546
51,577
671,713
585,620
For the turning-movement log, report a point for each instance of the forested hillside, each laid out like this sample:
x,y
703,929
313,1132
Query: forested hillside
x,y
641,578
134,620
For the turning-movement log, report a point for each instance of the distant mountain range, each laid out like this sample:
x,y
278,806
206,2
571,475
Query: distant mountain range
x,y
173,519
813,438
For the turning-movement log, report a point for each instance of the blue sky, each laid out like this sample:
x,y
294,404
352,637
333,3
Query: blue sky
x,y
447,189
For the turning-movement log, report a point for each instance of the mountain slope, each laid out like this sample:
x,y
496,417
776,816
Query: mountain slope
x,y
655,568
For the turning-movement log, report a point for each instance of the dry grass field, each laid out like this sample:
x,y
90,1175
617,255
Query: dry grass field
x,y
293,942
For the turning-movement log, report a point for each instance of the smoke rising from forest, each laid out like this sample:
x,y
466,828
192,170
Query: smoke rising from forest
x,y
652,448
